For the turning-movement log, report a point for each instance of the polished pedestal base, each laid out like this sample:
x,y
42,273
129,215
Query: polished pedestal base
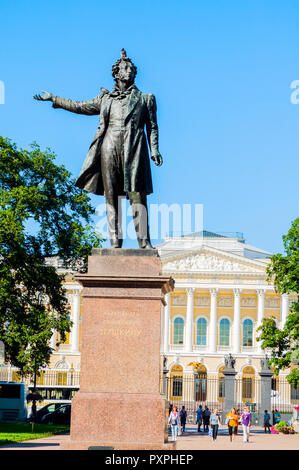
x,y
119,403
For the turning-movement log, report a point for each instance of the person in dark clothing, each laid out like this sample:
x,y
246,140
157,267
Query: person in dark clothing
x,y
267,418
199,417
206,419
183,417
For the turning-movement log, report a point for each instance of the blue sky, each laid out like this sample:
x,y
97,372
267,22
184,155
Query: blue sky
x,y
221,72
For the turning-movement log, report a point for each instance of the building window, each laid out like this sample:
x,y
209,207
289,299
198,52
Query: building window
x,y
247,333
221,384
248,384
40,379
61,378
224,332
201,332
178,331
176,382
201,383
177,387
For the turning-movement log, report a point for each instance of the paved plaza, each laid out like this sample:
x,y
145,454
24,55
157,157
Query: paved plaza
x,y
190,440
258,440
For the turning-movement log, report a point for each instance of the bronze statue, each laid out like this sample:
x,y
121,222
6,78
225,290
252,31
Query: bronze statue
x,y
117,163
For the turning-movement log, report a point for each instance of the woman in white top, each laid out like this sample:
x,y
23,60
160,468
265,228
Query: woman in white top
x,y
174,420
214,423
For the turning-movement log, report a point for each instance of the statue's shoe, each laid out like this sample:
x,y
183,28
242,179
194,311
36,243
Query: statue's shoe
x,y
146,245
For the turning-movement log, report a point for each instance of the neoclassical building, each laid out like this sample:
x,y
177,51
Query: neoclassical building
x,y
221,296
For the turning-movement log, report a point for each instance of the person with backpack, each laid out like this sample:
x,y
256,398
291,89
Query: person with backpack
x,y
183,417
199,413
214,423
206,419
174,421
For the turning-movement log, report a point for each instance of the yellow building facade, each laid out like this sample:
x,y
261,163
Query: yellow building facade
x,y
220,298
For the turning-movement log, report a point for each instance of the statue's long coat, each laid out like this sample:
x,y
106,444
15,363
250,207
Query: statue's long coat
x,y
141,112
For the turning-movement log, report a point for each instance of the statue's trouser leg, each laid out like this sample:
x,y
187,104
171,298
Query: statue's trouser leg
x,y
113,181
140,216
114,218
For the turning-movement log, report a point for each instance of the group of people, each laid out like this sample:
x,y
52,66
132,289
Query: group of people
x,y
212,420
267,418
232,420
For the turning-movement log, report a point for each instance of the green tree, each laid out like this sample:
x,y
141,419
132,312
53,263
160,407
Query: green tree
x,y
283,343
42,215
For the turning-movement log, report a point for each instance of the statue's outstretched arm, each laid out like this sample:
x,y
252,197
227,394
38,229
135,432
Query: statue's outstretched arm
x,y
89,107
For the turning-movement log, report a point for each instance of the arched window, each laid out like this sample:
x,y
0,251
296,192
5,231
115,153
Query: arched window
x,y
224,332
201,383
247,332
176,382
201,332
248,385
221,384
178,331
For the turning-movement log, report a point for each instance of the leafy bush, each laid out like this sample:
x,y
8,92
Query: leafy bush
x,y
283,427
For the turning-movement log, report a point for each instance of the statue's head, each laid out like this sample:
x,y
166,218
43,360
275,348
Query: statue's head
x,y
124,69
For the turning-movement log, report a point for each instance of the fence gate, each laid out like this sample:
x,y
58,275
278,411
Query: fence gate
x,y
193,391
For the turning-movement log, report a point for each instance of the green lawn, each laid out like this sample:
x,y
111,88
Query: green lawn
x,y
18,432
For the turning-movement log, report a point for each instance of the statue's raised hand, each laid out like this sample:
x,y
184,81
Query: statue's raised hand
x,y
46,97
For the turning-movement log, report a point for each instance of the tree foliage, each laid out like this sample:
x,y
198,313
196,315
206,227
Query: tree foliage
x,y
42,215
283,343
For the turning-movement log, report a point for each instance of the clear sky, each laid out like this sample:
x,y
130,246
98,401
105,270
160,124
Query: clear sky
x,y
221,72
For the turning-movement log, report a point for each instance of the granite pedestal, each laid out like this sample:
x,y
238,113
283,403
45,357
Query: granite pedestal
x,y
119,403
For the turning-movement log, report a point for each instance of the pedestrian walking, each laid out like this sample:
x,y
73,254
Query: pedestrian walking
x,y
174,420
231,420
246,422
214,423
199,413
267,418
206,419
183,417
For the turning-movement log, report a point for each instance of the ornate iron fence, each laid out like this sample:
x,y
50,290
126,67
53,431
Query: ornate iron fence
x,y
50,378
192,391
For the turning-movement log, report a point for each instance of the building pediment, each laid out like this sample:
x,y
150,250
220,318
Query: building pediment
x,y
209,260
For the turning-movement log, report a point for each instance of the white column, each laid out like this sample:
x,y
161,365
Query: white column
x,y
189,320
284,309
213,321
76,316
166,322
237,323
260,314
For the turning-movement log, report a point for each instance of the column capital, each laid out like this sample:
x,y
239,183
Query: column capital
x,y
214,290
190,290
237,292
261,292
285,296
